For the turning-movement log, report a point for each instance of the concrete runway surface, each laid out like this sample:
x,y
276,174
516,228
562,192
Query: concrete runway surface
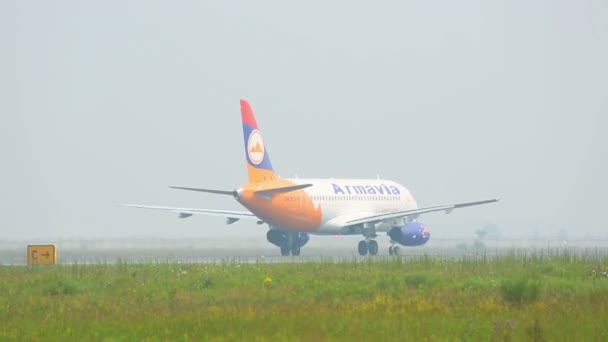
x,y
257,249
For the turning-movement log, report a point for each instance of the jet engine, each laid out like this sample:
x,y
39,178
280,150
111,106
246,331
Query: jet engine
x,y
412,234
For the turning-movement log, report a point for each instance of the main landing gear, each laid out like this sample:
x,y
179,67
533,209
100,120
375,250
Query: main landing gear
x,y
293,248
368,246
371,246
288,242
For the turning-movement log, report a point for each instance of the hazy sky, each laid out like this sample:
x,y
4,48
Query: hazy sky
x,y
109,102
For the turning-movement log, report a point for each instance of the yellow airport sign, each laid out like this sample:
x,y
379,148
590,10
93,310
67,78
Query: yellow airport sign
x,y
41,254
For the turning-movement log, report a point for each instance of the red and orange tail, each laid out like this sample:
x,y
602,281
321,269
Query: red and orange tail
x,y
259,168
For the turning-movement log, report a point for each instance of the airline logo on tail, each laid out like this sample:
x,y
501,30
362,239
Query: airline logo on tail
x,y
255,147
259,167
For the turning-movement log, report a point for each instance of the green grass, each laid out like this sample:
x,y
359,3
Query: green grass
x,y
542,296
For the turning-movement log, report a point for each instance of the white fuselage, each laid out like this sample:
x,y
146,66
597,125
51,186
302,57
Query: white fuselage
x,y
341,200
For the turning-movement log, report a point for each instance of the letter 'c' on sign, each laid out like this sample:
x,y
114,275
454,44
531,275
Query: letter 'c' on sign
x,y
41,254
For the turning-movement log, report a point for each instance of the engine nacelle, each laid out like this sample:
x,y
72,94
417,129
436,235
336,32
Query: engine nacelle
x,y
280,238
302,239
412,234
276,237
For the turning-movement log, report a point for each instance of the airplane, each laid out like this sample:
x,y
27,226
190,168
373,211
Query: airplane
x,y
295,208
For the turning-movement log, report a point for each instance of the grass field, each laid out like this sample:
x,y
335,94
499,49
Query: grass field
x,y
548,295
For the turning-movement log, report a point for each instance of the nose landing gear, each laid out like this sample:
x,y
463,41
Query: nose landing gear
x,y
394,250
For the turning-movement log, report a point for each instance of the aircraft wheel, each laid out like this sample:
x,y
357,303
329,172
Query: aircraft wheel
x,y
390,251
372,247
396,250
295,250
363,247
285,251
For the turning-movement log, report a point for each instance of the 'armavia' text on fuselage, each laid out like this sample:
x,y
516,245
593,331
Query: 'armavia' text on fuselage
x,y
381,189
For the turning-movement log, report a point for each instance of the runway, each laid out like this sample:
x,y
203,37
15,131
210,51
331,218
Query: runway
x,y
254,250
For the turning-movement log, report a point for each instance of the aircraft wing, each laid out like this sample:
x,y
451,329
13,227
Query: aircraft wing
x,y
232,216
415,212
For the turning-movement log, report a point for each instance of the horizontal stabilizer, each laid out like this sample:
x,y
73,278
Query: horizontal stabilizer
x,y
268,193
219,192
231,215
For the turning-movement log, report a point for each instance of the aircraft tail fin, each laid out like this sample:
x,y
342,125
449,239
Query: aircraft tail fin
x,y
259,168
